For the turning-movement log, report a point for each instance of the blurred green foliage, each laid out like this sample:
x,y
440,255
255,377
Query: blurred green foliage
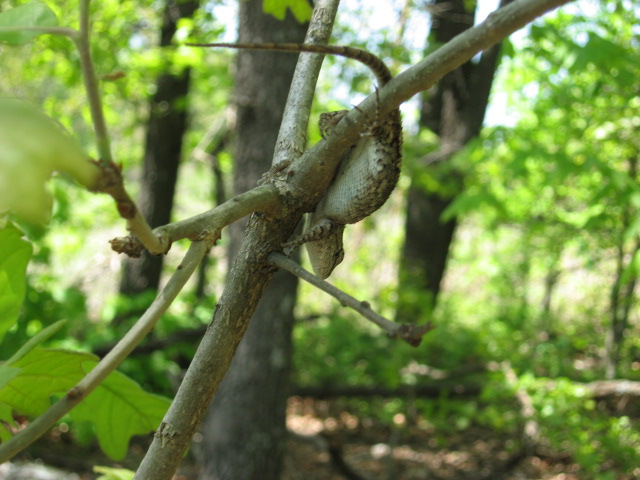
x,y
550,194
278,8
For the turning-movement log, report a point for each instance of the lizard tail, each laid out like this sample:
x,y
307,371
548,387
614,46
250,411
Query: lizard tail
x,y
376,65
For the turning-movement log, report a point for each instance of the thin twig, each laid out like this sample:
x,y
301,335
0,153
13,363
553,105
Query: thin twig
x,y
264,198
110,181
110,362
412,334
91,86
126,206
63,31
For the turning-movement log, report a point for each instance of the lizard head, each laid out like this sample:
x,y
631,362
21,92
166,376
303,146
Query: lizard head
x,y
326,254
328,120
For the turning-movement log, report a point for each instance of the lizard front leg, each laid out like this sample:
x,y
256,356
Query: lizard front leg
x,y
323,240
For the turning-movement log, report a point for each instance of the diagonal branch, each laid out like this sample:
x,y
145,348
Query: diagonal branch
x,y
305,173
209,224
246,282
412,334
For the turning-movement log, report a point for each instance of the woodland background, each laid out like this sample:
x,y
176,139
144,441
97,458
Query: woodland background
x,y
514,230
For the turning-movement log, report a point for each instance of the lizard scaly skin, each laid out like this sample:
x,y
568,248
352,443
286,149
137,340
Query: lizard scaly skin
x,y
367,174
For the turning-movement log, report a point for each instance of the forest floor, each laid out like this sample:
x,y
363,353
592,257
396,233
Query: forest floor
x,y
327,444
332,445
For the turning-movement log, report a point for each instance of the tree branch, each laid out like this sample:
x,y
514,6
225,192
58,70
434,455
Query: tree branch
x,y
318,163
91,86
249,276
264,198
412,334
110,181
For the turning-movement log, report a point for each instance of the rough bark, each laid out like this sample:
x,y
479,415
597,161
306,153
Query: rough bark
x,y
163,146
454,109
244,431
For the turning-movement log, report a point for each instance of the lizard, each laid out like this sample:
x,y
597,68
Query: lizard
x,y
366,175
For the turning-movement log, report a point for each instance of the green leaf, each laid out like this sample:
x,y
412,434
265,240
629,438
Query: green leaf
x,y
278,8
30,15
43,373
7,374
32,146
119,409
6,420
113,473
15,253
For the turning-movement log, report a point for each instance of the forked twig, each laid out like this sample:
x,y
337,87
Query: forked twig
x,y
412,334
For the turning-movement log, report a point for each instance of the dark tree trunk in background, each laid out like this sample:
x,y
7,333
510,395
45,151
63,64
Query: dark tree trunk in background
x,y
454,109
163,146
244,433
622,297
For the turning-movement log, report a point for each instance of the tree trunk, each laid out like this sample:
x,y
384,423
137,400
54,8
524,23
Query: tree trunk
x,y
244,432
454,110
622,290
163,146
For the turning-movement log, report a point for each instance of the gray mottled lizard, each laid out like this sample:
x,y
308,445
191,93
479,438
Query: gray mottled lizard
x,y
366,175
